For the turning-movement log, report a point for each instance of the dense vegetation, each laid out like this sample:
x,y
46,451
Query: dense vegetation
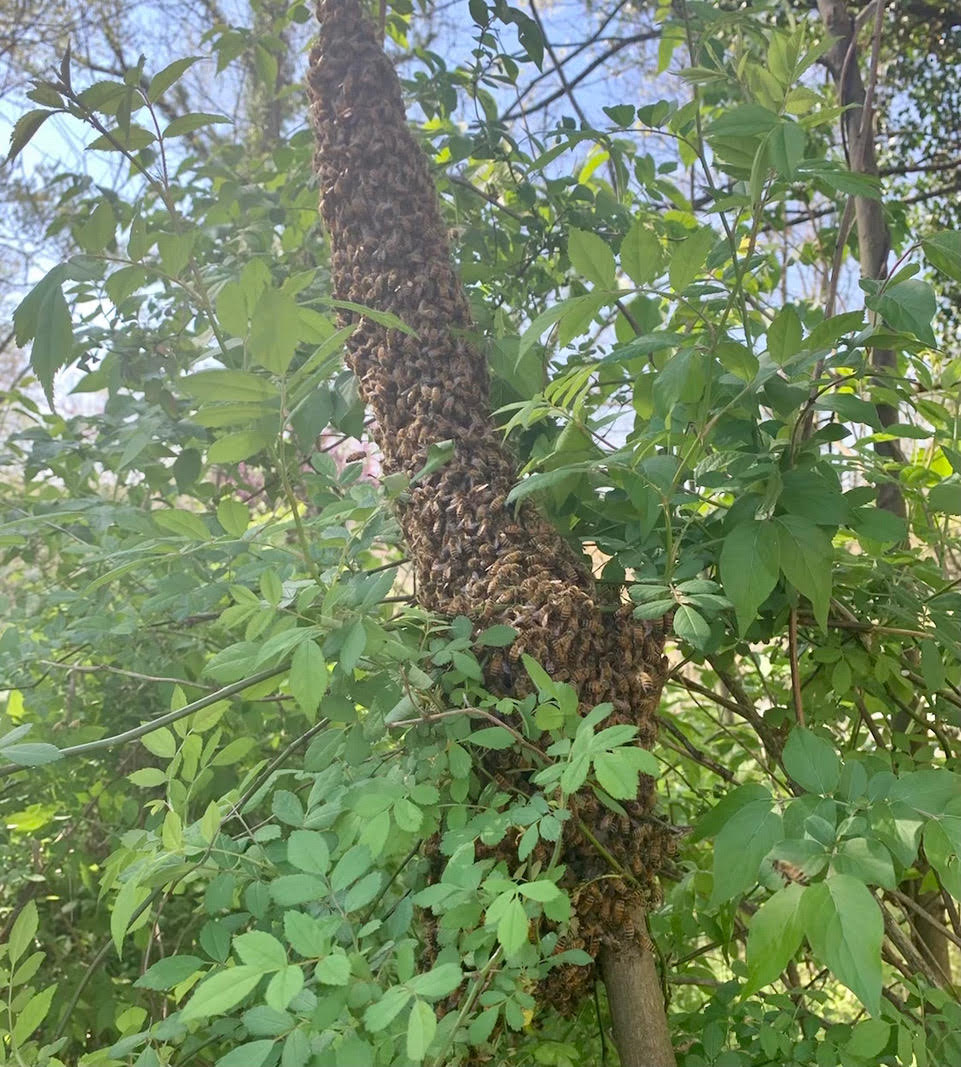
x,y
248,816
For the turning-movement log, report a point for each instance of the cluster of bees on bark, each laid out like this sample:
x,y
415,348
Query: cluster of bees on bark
x,y
473,554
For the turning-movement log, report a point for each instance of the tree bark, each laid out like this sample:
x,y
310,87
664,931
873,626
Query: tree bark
x,y
874,237
473,553
874,249
637,1006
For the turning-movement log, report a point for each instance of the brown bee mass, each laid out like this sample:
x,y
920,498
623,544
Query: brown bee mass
x,y
472,554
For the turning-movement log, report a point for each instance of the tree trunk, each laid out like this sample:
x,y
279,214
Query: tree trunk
x,y
473,554
874,249
637,1006
874,237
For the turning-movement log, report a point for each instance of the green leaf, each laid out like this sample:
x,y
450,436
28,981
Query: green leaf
x,y
129,899
161,742
688,257
908,306
221,992
170,74
228,385
355,862
812,761
23,931
123,139
181,523
843,923
308,677
169,972
249,1054
541,891
382,1013
25,128
31,1015
296,1048
806,560
944,253
691,626
867,860
591,257
334,970
31,754
421,1028
711,823
868,1039
236,447
305,934
291,889
259,949
743,842
617,772
147,778
194,121
512,928
929,792
784,335
773,937
750,563
641,253
439,454
53,341
284,986
274,331
495,737
233,516
498,636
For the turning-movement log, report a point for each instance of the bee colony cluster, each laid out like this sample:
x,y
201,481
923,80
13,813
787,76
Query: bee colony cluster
x,y
472,554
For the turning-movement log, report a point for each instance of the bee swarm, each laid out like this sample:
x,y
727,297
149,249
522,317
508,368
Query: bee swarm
x,y
471,553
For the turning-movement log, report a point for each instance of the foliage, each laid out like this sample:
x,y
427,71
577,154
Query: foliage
x,y
241,764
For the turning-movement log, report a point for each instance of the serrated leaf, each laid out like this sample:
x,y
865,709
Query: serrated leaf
x,y
221,992
284,986
31,1015
123,139
843,923
641,253
774,935
811,760
129,899
688,257
943,251
274,330
334,970
228,385
236,447
382,1013
807,558
25,128
170,74
591,257
308,677
31,754
784,335
691,626
256,948
910,306
194,121
421,1028
23,931
743,842
512,928
53,341
169,972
